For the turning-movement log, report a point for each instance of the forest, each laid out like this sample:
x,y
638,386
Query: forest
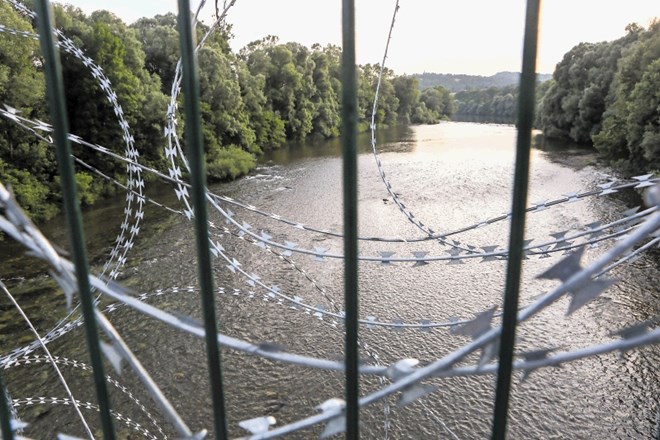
x,y
608,94
461,82
254,100
493,102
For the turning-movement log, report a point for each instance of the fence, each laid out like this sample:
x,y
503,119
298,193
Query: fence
x,y
338,415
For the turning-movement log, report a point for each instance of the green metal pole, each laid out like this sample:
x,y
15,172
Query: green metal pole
x,y
56,103
349,152
194,142
521,183
5,413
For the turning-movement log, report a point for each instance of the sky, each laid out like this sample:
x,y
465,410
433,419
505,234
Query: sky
x,y
479,37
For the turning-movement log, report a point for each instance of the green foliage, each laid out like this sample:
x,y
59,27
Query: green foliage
x,y
388,102
33,195
229,163
609,94
27,165
573,107
461,82
160,42
490,102
434,104
406,89
257,99
86,191
326,120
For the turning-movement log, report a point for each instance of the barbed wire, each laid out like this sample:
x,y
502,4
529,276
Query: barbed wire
x,y
49,357
31,360
582,285
560,243
131,224
31,401
576,280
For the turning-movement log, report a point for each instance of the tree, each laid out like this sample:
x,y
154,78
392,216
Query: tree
x,y
27,164
160,42
388,103
406,89
439,100
326,121
631,123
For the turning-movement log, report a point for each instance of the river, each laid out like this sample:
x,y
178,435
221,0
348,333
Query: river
x,y
449,175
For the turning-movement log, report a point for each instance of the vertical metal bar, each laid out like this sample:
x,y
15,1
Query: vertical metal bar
x,y
195,148
5,413
349,152
56,103
521,183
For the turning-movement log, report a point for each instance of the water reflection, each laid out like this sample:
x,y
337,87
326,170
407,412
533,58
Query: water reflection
x,y
393,139
509,120
449,175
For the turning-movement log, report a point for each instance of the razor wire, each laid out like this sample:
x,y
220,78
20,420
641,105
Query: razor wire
x,y
576,280
607,188
646,181
299,304
561,242
134,174
31,401
130,153
127,234
49,357
32,360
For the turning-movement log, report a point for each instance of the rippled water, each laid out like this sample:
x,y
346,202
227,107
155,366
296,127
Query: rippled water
x,y
450,175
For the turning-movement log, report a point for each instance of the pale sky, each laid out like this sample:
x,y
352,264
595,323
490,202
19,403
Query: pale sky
x,y
463,36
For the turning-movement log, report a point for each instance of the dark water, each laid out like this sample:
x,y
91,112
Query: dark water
x,y
450,175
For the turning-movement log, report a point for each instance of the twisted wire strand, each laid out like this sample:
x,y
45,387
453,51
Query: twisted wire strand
x,y
323,255
558,359
441,367
541,250
97,71
64,273
119,293
244,234
49,357
252,278
137,427
444,366
442,237
131,224
64,361
370,322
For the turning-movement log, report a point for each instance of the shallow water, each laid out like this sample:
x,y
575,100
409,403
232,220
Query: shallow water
x,y
449,175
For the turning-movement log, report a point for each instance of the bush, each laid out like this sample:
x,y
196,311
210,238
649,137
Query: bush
x,y
31,194
229,163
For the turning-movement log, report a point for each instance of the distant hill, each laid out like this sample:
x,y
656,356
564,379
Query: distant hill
x,y
460,82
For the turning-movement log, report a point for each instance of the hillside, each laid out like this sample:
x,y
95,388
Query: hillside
x,y
460,82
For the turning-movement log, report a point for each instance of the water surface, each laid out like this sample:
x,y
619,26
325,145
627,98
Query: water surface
x,y
449,175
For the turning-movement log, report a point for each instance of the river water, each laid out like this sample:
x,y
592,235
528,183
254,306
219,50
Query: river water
x,y
449,175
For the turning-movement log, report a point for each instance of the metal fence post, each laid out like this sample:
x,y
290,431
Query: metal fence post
x,y
519,202
349,153
195,147
57,105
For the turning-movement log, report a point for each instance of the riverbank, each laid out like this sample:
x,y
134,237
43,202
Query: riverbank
x,y
450,176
